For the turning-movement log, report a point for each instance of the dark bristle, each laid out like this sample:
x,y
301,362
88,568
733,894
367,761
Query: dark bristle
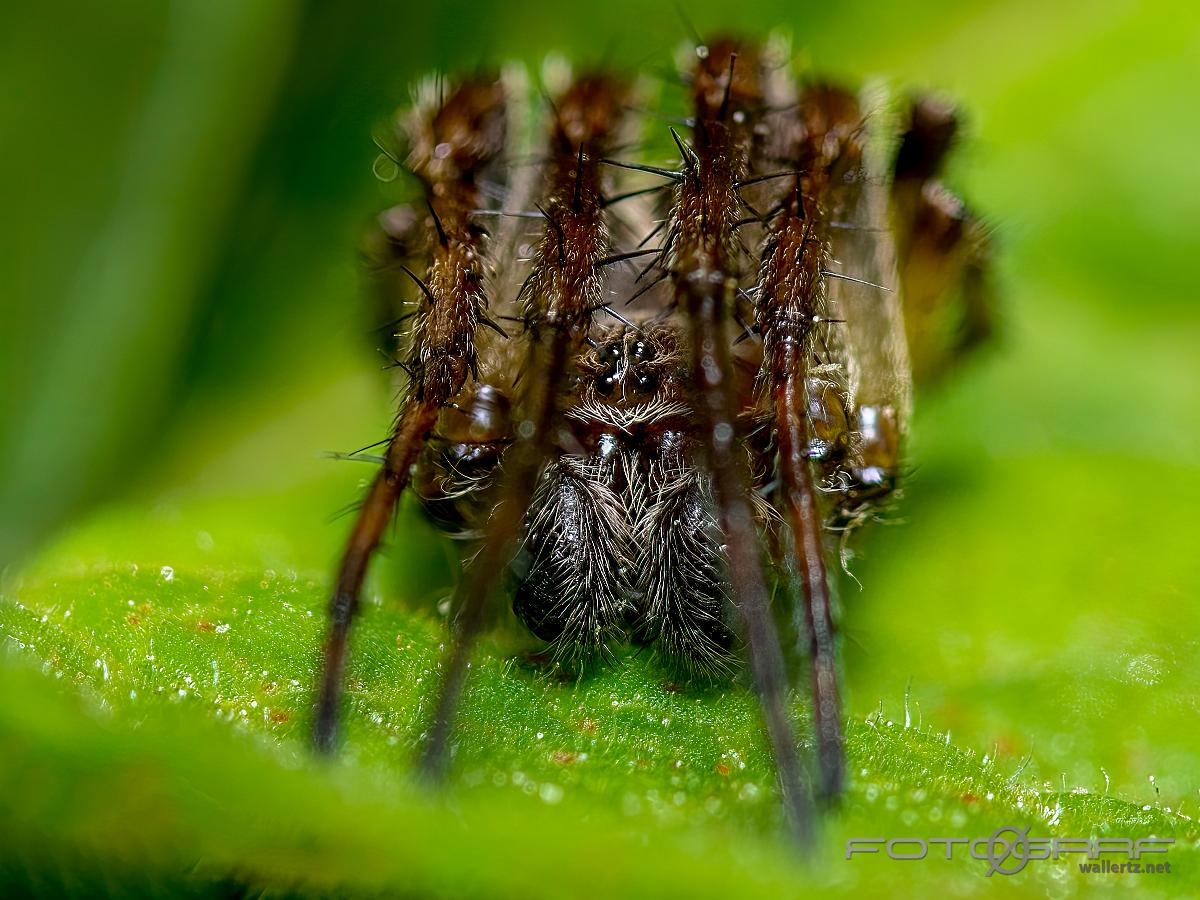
x,y
622,257
638,167
418,281
723,112
690,159
437,223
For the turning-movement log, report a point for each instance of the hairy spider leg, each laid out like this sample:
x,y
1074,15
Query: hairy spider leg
x,y
560,296
451,144
790,305
705,271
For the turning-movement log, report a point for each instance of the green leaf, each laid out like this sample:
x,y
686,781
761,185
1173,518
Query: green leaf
x,y
184,766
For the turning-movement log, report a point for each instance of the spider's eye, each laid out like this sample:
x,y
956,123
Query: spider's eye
x,y
646,384
611,353
641,351
605,385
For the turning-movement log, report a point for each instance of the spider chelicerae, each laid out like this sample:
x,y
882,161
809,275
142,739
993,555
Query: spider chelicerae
x,y
660,395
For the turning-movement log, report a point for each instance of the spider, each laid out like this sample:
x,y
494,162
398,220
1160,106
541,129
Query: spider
x,y
662,395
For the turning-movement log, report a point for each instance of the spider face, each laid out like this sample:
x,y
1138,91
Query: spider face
x,y
627,374
631,366
709,379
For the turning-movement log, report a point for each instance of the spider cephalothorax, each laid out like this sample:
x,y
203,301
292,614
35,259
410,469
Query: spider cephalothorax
x,y
702,375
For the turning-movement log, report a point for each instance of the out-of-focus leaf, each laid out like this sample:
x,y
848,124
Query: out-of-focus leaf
x,y
187,767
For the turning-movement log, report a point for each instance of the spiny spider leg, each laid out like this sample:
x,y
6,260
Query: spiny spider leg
x,y
451,143
852,426
560,298
790,304
705,273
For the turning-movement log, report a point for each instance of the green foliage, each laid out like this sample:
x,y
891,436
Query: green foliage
x,y
184,767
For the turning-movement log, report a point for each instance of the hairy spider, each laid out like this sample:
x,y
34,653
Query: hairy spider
x,y
704,380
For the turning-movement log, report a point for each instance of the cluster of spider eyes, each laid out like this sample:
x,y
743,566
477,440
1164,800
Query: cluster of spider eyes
x,y
621,369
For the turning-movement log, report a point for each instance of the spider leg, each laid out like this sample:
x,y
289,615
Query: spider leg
x,y
943,248
376,511
856,429
452,142
790,304
563,290
705,272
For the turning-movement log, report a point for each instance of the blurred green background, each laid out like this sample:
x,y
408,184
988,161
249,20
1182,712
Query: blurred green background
x,y
184,333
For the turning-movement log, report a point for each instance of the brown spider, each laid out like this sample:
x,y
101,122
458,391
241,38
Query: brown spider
x,y
668,430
